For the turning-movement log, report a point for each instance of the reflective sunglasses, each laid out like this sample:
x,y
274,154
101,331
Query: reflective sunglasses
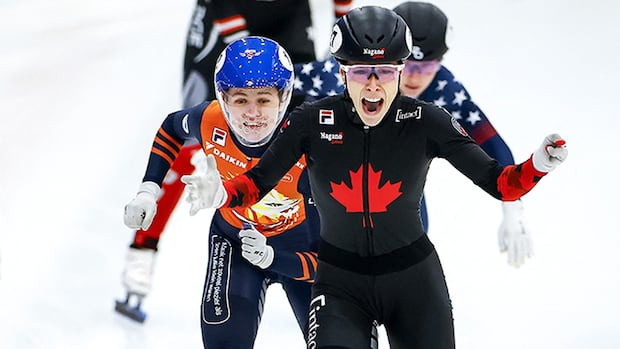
x,y
424,68
383,72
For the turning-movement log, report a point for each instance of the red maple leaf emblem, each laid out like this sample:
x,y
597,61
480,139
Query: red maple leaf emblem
x,y
378,197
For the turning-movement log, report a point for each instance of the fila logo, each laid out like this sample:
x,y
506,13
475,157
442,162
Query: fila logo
x,y
326,117
417,114
219,136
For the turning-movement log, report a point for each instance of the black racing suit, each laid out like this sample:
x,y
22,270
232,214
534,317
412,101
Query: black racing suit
x,y
375,262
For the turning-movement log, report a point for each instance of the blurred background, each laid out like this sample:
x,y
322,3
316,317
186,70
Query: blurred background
x,y
84,86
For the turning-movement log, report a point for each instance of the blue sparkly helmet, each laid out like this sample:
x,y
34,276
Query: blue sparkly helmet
x,y
254,62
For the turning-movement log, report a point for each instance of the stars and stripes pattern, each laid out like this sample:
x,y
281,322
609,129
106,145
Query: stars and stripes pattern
x,y
317,79
447,92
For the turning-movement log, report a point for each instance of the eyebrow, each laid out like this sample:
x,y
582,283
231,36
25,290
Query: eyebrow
x,y
262,92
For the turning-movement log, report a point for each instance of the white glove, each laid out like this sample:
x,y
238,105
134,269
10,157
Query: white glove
x,y
140,211
513,234
199,160
206,189
138,273
254,247
551,153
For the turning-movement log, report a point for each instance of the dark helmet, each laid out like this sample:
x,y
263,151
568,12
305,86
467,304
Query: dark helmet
x,y
429,26
371,34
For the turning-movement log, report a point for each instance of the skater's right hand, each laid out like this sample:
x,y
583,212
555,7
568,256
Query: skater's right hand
x,y
137,276
205,190
140,211
254,247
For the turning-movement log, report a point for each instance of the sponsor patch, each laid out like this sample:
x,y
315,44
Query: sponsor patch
x,y
458,127
215,302
313,323
375,53
333,138
416,114
219,136
219,153
326,117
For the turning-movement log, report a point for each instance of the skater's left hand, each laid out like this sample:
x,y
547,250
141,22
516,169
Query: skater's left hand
x,y
254,247
550,154
513,235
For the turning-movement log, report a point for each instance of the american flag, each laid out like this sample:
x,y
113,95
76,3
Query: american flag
x,y
317,79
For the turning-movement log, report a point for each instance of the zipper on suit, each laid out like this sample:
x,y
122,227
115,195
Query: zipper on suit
x,y
366,204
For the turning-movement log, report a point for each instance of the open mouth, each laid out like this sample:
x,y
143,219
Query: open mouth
x,y
372,105
254,125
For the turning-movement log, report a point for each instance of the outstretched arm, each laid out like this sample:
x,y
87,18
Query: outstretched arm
x,y
167,144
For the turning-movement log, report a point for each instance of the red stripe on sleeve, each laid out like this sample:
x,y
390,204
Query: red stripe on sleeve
x,y
483,132
516,180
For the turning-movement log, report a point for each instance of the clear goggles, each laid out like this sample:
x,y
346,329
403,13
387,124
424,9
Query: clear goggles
x,y
383,72
422,67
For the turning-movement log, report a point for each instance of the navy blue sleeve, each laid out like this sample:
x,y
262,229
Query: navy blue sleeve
x,y
445,91
175,130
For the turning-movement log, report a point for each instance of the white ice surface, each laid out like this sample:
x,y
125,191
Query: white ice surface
x,y
85,84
